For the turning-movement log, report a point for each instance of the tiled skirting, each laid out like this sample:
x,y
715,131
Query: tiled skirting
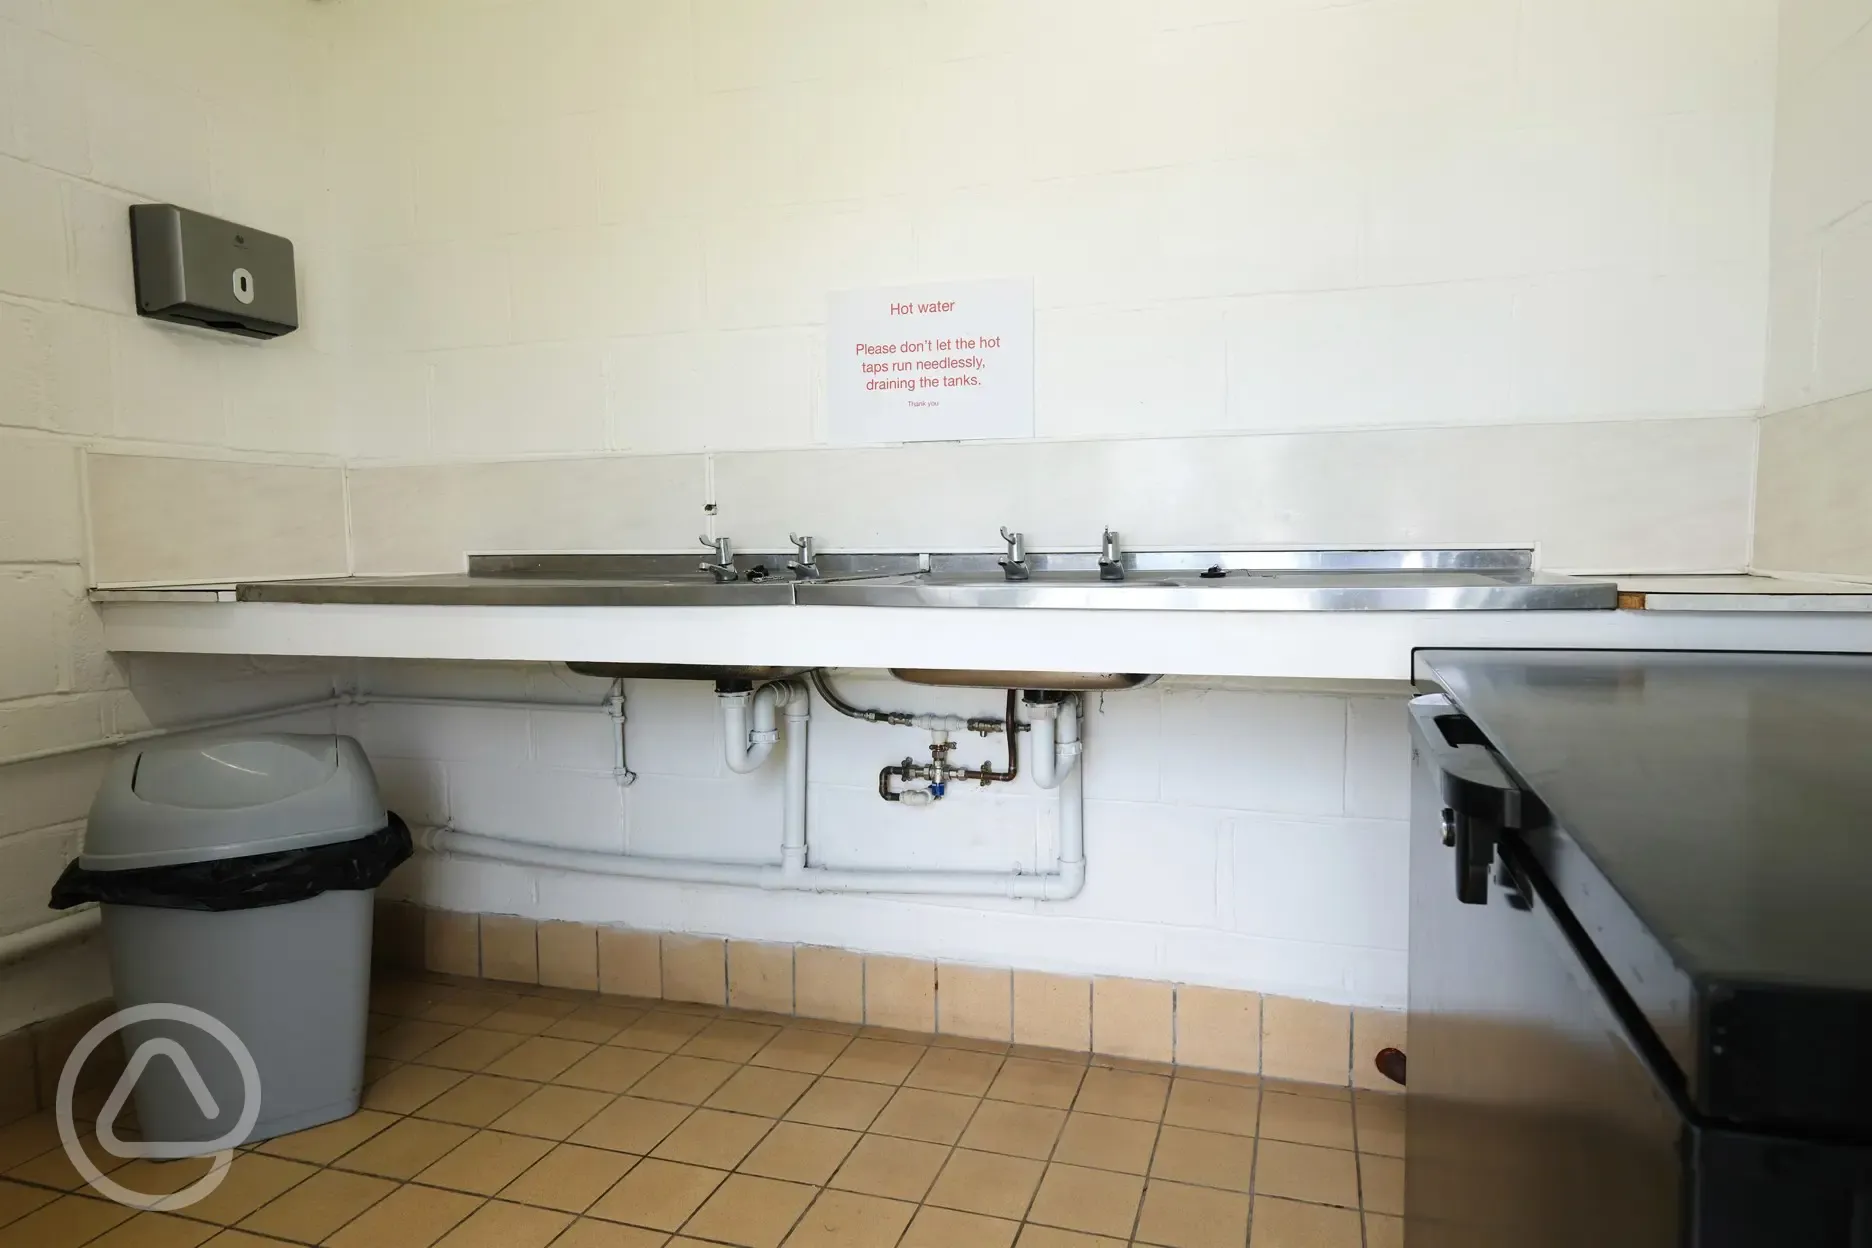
x,y
1220,1029
32,1057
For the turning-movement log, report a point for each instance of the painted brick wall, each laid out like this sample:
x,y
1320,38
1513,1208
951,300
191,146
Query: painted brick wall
x,y
207,103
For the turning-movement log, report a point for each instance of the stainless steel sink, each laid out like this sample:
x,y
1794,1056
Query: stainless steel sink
x,y
1071,682
684,671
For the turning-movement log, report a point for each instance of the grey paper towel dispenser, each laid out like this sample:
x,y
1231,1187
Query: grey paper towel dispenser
x,y
195,269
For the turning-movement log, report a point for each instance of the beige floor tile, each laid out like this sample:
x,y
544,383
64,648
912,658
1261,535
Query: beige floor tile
x,y
899,1169
946,1228
851,1220
934,1117
325,1144
27,1138
759,1090
498,1224
1052,1010
540,1058
972,1044
1015,1129
1233,1079
1381,1183
527,1018
1052,1237
1382,1230
155,1230
1306,1120
477,1100
1102,1143
1204,1158
1324,1176
472,1050
1301,1087
1176,1216
631,1125
65,1223
800,1049
54,1169
1030,1082
840,1103
1097,1202
896,1035
594,1024
1045,1053
1122,1094
570,1178
241,1239
685,1080
609,1069
406,1149
318,1206
1133,1018
485,1162
17,1200
554,1113
410,1217
409,1040
1380,1124
987,1183
750,1211
955,1070
726,1040
1289,1224
876,1061
658,1194
661,1032
252,1180
408,1088
710,1137
1213,1107
589,1233
801,1153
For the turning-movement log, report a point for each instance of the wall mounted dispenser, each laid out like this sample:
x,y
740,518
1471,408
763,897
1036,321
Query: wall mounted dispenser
x,y
200,270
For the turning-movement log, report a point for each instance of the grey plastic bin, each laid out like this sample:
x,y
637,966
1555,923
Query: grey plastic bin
x,y
291,981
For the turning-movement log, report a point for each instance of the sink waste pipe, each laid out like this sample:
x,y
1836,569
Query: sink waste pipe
x,y
742,726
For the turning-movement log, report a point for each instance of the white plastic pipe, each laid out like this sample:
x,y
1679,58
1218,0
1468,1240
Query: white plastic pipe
x,y
77,925
793,834
1055,747
747,749
449,843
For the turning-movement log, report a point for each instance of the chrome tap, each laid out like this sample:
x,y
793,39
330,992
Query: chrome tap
x,y
1111,558
723,569
1015,565
806,567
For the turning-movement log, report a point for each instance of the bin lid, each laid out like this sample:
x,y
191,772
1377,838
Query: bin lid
x,y
200,799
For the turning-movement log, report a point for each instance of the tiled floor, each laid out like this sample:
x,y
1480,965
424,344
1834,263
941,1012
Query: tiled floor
x,y
527,1118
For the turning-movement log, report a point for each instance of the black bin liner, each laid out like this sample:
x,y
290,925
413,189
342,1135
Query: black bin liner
x,y
243,883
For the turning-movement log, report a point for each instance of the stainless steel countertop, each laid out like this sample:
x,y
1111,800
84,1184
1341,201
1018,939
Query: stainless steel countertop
x,y
1438,580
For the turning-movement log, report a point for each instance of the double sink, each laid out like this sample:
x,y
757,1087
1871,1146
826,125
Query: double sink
x,y
1228,581
1327,580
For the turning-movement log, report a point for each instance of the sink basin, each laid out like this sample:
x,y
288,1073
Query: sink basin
x,y
1065,681
683,671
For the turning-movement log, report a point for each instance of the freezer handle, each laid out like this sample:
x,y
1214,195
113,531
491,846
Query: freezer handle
x,y
1479,798
1472,780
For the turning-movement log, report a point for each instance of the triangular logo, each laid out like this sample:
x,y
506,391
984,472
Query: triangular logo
x,y
146,1053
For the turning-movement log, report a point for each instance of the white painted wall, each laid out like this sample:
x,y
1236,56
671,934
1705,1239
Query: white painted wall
x,y
575,228
564,227
208,103
1813,515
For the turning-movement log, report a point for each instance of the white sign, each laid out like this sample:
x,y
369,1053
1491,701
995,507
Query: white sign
x,y
931,363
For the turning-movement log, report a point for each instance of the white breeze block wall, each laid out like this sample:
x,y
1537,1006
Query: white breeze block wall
x,y
206,103
1243,836
578,225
